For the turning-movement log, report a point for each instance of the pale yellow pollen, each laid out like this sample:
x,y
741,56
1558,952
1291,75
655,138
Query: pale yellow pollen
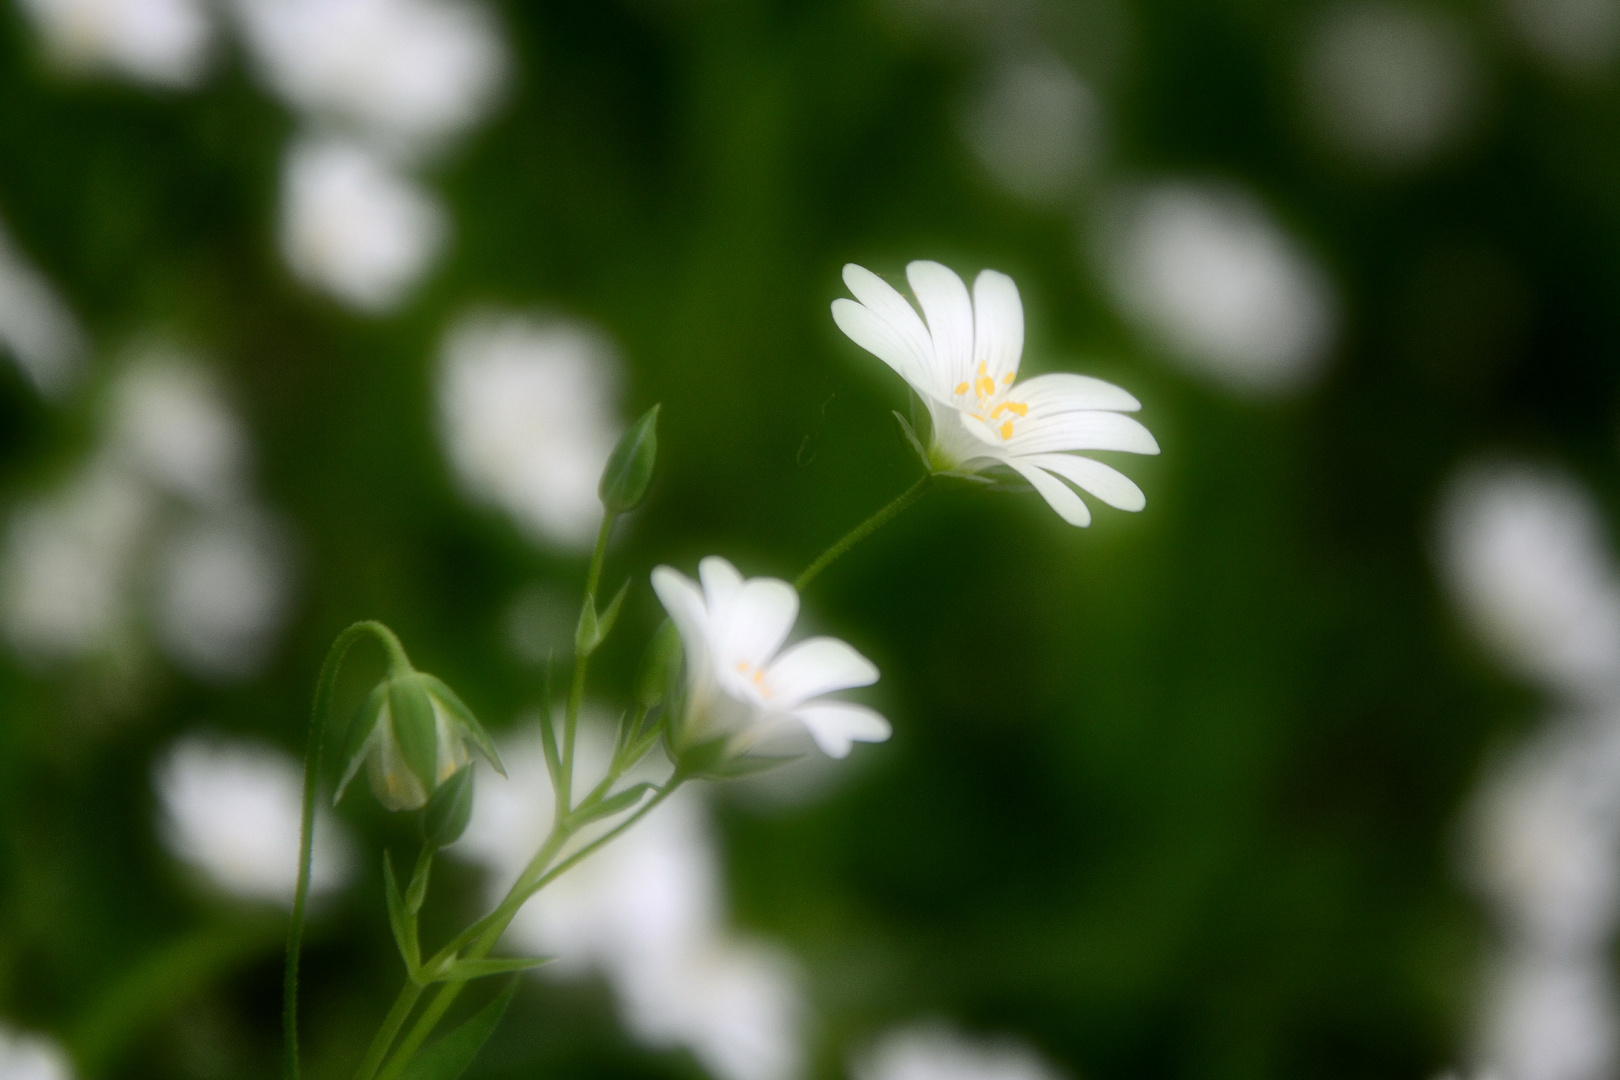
x,y
757,676
1008,378
962,388
984,386
1006,430
1010,406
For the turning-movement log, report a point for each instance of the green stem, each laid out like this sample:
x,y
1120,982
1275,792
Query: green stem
x,y
534,878
403,1004
864,529
322,708
576,692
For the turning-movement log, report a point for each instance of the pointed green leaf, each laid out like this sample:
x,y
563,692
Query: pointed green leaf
x,y
480,969
913,441
660,660
411,712
548,730
402,921
448,809
749,764
610,616
450,1056
356,740
610,806
585,629
458,710
417,893
629,470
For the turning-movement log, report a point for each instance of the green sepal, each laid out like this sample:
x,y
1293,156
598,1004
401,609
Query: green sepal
x,y
593,629
354,741
448,809
451,1055
629,470
482,969
415,727
915,443
624,800
749,764
402,922
659,661
417,893
464,718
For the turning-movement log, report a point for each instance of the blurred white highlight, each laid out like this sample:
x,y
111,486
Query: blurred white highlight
x,y
647,911
406,74
1034,128
935,1052
36,327
1210,275
354,226
1528,561
232,809
158,524
25,1056
528,412
166,43
1579,37
1390,86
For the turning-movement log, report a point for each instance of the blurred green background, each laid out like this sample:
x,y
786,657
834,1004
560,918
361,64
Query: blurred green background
x,y
1173,796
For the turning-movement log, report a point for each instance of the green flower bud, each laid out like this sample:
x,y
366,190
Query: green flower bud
x,y
412,734
448,810
660,664
629,471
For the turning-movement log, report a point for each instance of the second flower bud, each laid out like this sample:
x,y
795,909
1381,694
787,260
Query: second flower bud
x,y
412,734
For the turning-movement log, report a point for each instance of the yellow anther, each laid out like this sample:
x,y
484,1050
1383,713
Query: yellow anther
x,y
981,367
962,388
1006,430
1008,378
985,386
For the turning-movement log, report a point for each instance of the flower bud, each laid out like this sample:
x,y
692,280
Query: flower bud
x,y
629,471
448,810
412,735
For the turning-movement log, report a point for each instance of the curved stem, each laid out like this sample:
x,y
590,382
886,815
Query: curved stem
x,y
864,529
408,995
324,687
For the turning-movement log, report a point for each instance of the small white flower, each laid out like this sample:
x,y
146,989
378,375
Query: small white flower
x,y
963,363
26,1056
741,684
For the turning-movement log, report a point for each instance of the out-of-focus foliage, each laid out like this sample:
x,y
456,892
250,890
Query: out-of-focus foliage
x,y
1177,795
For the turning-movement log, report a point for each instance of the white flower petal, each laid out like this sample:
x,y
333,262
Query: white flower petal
x,y
949,310
998,325
1065,392
1108,484
682,599
814,667
883,340
721,582
885,301
1057,494
756,622
1040,434
836,725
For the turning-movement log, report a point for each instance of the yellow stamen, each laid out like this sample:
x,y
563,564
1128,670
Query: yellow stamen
x,y
985,386
962,388
1008,378
1006,430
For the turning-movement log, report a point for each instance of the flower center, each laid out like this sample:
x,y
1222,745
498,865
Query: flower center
x,y
754,675
986,408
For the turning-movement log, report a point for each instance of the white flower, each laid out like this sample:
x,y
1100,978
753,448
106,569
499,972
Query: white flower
x,y
162,42
964,365
934,1052
25,1056
528,412
232,810
738,685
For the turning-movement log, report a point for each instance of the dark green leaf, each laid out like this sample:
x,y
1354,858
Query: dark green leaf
x,y
401,920
450,1056
629,471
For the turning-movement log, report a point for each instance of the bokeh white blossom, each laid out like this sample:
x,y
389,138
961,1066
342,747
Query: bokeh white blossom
x,y
528,412
1388,85
29,1056
934,1051
1532,568
155,531
164,43
37,328
1574,37
648,913
231,809
1034,127
1209,275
